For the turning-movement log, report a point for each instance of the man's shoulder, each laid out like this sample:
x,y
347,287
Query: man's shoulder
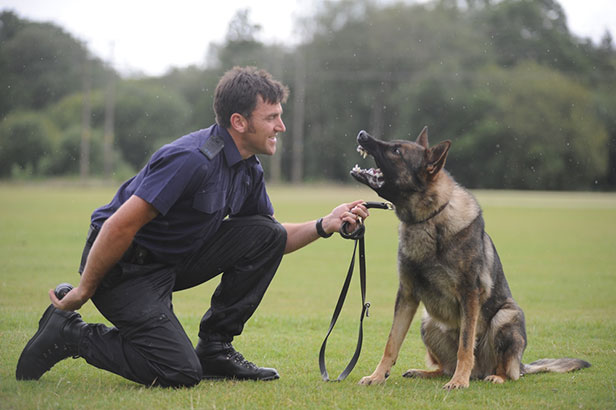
x,y
175,152
212,146
207,142
186,146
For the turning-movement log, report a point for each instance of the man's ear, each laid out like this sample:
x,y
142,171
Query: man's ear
x,y
436,156
422,138
238,122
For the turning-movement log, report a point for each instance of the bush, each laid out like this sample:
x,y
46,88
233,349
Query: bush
x,y
25,139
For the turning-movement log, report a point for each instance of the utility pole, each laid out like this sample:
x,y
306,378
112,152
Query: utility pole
x,y
299,105
86,113
108,135
276,160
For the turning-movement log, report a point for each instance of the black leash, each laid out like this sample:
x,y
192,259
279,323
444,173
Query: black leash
x,y
358,236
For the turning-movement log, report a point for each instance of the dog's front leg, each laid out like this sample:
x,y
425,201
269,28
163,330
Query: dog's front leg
x,y
403,316
466,344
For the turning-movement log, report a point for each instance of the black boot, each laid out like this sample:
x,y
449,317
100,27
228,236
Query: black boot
x,y
56,339
220,360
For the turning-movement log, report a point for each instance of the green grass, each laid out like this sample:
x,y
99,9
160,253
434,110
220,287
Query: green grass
x,y
558,250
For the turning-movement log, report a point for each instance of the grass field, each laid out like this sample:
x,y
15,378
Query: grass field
x,y
558,251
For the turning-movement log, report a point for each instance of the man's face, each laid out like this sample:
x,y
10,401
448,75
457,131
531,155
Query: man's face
x,y
264,124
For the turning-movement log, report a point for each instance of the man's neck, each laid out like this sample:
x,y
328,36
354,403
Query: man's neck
x,y
237,139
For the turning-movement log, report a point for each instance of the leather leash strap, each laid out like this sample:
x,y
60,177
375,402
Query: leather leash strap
x,y
358,236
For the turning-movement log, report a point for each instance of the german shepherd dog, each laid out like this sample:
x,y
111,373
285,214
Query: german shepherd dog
x,y
472,327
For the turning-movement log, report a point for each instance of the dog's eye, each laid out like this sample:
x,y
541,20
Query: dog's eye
x,y
396,151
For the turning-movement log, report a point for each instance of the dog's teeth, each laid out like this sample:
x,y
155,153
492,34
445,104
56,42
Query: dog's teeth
x,y
362,151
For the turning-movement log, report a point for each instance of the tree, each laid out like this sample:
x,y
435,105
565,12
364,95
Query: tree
x,y
241,46
147,116
66,115
365,65
521,30
542,133
39,64
25,138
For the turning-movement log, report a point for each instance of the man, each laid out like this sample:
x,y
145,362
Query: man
x,y
197,209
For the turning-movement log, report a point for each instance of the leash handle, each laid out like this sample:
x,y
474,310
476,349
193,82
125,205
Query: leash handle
x,y
380,205
361,229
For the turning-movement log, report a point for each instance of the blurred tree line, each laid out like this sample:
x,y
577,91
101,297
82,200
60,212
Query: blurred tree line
x,y
527,104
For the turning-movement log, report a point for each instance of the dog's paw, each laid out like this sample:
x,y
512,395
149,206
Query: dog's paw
x,y
414,373
373,379
422,374
455,384
495,379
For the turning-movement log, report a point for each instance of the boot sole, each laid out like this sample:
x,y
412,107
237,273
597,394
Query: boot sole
x,y
218,377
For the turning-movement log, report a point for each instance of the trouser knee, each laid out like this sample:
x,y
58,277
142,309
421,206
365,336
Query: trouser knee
x,y
186,377
279,234
268,237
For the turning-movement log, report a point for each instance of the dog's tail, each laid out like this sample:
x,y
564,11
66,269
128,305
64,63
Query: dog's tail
x,y
555,365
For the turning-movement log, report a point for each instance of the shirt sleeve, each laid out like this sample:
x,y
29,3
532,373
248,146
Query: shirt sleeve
x,y
168,176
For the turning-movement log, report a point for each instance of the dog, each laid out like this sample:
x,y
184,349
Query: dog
x,y
472,327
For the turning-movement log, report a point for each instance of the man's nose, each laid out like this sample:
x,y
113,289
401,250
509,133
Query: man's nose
x,y
280,126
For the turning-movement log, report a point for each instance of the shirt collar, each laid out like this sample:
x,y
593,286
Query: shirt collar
x,y
232,154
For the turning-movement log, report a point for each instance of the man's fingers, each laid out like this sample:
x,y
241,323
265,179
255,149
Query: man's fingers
x,y
361,211
54,299
70,301
357,202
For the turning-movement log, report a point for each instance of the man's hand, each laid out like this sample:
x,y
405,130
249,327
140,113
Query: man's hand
x,y
73,300
113,240
301,234
350,212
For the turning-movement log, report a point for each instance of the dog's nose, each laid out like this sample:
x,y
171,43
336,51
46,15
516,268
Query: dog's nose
x,y
362,136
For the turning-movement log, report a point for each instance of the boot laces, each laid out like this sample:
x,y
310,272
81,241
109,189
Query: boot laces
x,y
238,358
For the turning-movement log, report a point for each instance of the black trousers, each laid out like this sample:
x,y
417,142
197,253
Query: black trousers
x,y
147,343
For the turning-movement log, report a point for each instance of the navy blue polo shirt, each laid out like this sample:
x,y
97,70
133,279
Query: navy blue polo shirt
x,y
192,193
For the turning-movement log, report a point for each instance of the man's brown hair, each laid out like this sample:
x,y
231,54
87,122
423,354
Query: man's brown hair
x,y
238,89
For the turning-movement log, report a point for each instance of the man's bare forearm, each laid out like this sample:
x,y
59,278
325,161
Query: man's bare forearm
x,y
302,234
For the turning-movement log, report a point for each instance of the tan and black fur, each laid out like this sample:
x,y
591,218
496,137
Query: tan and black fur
x,y
472,326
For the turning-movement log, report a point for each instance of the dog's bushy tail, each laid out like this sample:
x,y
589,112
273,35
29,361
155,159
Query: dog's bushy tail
x,y
555,365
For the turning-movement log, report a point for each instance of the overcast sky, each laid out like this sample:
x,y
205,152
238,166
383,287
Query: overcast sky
x,y
150,36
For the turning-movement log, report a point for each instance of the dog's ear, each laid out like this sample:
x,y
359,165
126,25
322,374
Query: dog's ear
x,y
422,139
436,156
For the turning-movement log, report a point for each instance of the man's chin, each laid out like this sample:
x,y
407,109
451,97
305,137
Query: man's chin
x,y
271,146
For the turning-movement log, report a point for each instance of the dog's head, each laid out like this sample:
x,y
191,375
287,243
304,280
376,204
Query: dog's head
x,y
403,167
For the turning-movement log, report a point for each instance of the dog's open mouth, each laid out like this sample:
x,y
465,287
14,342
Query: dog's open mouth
x,y
373,177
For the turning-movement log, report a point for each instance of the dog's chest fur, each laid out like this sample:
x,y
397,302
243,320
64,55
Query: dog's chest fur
x,y
435,257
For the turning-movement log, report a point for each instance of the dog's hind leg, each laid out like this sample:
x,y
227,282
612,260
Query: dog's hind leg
x,y
403,315
441,345
508,334
426,374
